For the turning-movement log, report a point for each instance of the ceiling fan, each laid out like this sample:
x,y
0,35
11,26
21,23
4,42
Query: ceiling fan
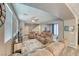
x,y
34,19
2,13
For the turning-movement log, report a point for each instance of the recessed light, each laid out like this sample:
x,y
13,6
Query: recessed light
x,y
33,21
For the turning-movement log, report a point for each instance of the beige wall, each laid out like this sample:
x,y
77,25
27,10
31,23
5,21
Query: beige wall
x,y
27,28
61,29
15,25
37,28
42,27
2,51
71,36
8,47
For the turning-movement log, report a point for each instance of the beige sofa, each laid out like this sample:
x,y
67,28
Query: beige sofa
x,y
42,45
41,52
55,48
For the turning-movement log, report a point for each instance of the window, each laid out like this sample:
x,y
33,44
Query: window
x,y
55,30
8,25
11,25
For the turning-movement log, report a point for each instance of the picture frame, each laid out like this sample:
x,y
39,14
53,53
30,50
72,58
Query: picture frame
x,y
69,28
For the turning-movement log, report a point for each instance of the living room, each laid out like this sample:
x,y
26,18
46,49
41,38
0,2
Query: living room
x,y
39,29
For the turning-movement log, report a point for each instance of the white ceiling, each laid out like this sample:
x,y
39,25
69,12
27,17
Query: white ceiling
x,y
58,9
75,8
45,12
25,13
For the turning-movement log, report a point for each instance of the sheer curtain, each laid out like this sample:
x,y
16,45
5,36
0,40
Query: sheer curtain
x,y
8,26
11,25
55,31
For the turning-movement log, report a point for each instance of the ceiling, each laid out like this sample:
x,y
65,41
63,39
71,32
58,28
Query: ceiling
x,y
75,8
26,13
58,9
45,12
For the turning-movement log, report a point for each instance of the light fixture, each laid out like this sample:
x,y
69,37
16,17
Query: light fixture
x,y
34,19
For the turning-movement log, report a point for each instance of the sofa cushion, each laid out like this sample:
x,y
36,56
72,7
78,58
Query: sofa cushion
x,y
31,45
41,52
44,38
55,48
